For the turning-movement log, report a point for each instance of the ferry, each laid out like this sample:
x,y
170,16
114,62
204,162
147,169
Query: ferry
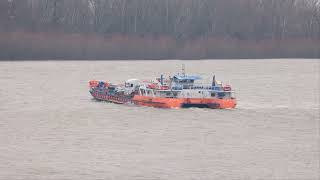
x,y
178,91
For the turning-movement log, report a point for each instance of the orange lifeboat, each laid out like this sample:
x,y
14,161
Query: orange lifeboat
x,y
153,86
156,86
164,88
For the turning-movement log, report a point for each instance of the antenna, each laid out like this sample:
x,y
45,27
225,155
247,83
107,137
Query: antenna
x,y
183,70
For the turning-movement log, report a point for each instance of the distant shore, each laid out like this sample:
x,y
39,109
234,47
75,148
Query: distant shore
x,y
21,45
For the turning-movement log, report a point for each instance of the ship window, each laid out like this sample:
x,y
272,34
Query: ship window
x,y
199,92
228,94
213,94
221,95
131,85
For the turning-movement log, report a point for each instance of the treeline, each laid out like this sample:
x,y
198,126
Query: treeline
x,y
159,29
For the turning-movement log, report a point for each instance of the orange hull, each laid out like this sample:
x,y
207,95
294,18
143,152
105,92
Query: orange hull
x,y
184,102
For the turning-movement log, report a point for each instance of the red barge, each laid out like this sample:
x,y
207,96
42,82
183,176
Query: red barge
x,y
179,91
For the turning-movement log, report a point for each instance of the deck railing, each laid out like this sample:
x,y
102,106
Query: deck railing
x,y
198,86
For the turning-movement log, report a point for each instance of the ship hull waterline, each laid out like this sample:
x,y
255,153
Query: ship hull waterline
x,y
171,103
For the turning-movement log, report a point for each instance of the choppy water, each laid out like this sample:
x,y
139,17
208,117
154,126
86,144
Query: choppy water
x,y
50,128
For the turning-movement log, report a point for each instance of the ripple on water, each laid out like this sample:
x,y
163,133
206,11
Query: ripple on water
x,y
52,129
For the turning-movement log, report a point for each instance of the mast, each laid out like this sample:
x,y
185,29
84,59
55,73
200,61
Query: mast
x,y
183,70
214,80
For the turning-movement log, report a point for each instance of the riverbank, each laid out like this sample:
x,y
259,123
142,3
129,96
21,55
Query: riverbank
x,y
52,45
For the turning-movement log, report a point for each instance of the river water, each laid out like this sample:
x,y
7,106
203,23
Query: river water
x,y
50,128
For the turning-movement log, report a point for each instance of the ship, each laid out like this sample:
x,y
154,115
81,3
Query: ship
x,y
177,91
